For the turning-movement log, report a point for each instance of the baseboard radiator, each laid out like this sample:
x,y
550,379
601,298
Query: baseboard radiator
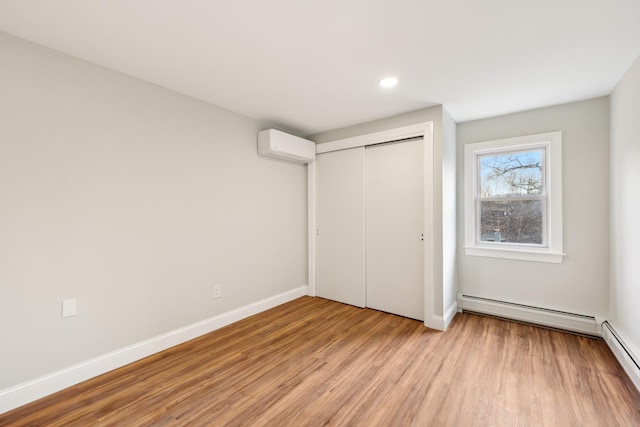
x,y
578,323
629,362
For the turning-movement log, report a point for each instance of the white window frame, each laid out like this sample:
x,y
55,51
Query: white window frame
x,y
551,248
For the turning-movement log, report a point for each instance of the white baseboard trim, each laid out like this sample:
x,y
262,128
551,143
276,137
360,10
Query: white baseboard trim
x,y
539,316
441,323
21,394
450,314
435,322
630,362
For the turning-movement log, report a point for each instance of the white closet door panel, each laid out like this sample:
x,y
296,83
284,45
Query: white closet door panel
x,y
394,225
340,256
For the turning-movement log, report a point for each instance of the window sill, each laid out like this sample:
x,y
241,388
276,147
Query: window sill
x,y
518,254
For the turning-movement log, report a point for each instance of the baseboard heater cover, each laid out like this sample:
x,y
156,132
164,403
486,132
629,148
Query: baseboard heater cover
x,y
629,362
540,316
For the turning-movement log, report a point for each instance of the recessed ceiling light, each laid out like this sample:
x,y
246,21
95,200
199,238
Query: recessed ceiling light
x,y
388,82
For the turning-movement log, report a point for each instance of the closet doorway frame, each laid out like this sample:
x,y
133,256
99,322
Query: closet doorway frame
x,y
424,130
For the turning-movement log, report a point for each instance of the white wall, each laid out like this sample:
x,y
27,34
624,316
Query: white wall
x,y
449,209
135,200
625,209
443,181
580,283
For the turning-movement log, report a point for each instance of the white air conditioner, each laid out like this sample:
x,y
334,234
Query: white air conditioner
x,y
280,145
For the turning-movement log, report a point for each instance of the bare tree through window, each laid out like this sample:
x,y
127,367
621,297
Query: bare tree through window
x,y
511,197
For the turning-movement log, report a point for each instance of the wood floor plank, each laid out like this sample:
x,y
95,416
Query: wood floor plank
x,y
314,362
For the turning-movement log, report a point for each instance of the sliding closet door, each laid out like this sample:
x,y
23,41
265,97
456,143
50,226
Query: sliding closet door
x,y
394,227
340,256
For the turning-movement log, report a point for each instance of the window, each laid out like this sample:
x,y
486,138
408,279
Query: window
x,y
513,198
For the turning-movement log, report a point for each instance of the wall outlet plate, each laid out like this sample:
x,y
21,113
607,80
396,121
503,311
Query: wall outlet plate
x,y
69,307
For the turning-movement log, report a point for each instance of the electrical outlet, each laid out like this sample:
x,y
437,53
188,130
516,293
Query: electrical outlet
x,y
217,292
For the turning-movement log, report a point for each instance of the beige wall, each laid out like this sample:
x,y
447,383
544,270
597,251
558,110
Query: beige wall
x,y
443,133
625,208
136,201
449,209
580,283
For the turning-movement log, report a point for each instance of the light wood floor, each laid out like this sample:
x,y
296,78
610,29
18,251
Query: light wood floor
x,y
314,362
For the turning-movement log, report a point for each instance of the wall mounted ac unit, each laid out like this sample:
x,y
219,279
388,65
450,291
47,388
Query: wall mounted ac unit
x,y
274,143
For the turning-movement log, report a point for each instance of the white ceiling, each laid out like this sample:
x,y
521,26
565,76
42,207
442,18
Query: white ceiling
x,y
311,66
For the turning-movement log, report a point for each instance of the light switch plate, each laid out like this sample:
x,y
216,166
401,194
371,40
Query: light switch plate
x,y
69,307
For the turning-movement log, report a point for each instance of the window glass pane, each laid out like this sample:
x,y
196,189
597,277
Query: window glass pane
x,y
511,174
512,221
